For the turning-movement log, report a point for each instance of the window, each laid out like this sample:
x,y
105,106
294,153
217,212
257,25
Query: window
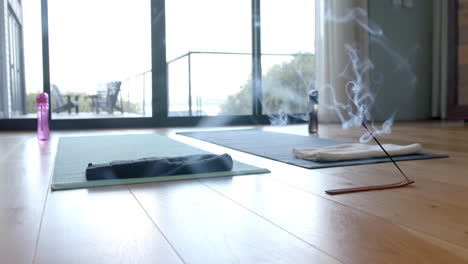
x,y
287,55
140,63
208,49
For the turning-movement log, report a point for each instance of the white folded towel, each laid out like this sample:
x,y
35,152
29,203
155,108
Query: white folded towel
x,y
354,151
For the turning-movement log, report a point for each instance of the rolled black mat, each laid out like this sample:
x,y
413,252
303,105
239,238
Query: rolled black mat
x,y
154,166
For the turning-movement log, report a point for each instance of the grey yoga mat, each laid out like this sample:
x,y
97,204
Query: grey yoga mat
x,y
74,154
278,146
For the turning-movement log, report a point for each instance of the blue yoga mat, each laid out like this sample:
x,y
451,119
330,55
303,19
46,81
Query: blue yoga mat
x,y
278,146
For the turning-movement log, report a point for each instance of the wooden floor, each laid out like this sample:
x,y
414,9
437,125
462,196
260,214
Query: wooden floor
x,y
281,217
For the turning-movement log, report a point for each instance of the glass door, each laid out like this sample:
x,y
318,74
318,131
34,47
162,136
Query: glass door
x,y
208,50
288,48
100,59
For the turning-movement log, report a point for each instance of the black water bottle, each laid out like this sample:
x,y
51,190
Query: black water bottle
x,y
313,109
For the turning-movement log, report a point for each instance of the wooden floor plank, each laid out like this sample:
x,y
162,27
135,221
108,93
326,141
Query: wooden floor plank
x,y
23,189
103,225
430,207
282,217
432,184
435,205
343,232
22,197
434,208
9,142
205,227
456,250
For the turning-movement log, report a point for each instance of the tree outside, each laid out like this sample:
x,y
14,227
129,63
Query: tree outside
x,y
284,89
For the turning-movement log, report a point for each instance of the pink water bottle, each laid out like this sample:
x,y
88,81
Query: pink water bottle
x,y
42,106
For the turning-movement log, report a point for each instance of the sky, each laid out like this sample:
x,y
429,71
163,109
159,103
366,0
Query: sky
x,y
32,45
225,26
92,42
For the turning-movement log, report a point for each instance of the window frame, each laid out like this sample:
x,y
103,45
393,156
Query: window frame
x,y
160,87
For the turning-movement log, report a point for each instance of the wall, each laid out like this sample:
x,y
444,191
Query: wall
x,y
409,31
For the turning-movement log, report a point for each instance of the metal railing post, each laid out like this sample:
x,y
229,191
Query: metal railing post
x,y
190,84
144,90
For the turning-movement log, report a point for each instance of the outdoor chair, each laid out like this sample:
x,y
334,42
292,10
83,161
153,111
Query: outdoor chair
x,y
61,105
106,98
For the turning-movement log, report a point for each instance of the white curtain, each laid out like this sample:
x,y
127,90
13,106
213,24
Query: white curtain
x,y
331,56
440,59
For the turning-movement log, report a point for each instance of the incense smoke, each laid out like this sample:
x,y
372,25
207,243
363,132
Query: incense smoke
x,y
280,98
362,82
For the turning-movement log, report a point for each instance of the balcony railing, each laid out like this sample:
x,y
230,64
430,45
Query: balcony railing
x,y
191,97
189,94
136,100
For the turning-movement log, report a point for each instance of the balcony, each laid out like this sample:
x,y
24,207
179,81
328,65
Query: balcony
x,y
220,83
200,84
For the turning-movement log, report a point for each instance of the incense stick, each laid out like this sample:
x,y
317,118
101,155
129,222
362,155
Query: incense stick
x,y
386,153
375,187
